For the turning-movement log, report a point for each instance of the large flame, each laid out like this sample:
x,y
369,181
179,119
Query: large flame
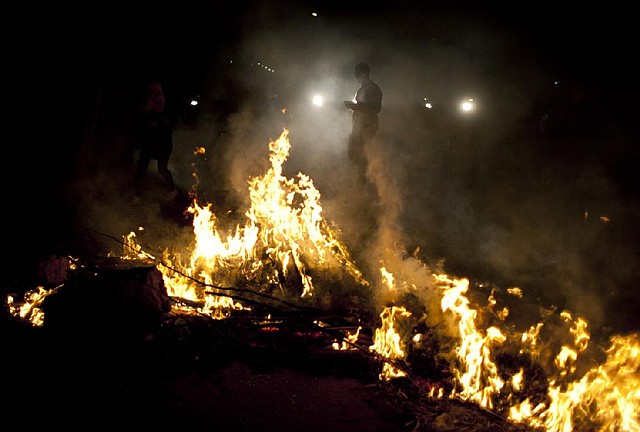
x,y
388,342
607,395
283,239
476,373
605,398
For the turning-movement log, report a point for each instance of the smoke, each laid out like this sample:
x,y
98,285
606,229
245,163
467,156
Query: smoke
x,y
505,194
492,195
485,194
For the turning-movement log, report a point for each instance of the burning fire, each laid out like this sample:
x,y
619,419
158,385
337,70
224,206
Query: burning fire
x,y
605,398
477,374
388,343
29,308
285,242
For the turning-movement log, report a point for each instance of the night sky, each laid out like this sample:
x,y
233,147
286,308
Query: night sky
x,y
75,75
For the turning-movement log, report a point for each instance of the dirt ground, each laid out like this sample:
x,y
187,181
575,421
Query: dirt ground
x,y
198,374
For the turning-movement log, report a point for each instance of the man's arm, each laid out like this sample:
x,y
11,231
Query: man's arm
x,y
369,107
350,104
371,101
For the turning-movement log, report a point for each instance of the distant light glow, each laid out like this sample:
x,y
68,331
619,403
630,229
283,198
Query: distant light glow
x,y
467,105
315,14
317,100
267,68
193,102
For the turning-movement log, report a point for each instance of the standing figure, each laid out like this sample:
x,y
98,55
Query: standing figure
x,y
156,139
365,108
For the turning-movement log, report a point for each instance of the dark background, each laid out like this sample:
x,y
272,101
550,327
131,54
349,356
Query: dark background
x,y
75,55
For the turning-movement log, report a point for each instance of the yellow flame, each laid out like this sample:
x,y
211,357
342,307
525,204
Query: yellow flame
x,y
348,341
388,279
529,340
285,236
578,330
30,307
607,396
516,380
515,291
476,374
388,343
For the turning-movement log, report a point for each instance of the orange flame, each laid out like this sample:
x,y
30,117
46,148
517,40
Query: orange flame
x,y
388,342
30,307
284,237
477,374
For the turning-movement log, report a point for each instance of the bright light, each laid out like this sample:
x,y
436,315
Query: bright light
x,y
193,102
315,14
427,103
317,100
467,105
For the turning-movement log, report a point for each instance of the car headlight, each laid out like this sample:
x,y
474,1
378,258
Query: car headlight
x,y
467,105
317,100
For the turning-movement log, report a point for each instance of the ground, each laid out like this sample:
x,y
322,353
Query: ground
x,y
195,374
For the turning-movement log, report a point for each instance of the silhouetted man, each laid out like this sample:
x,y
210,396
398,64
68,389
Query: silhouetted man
x,y
365,107
156,138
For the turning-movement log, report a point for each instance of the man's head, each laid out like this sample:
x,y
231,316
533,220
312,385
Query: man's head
x,y
154,89
362,71
155,97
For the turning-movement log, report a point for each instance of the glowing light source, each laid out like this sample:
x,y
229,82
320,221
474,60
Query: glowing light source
x,y
265,67
467,105
317,100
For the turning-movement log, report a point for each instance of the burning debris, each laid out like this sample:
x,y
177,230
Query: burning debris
x,y
438,340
